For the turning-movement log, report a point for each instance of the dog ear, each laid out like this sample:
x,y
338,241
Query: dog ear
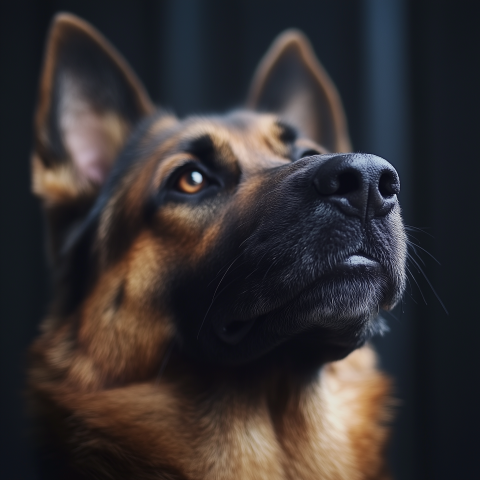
x,y
291,82
89,99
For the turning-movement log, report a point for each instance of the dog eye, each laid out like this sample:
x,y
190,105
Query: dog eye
x,y
191,181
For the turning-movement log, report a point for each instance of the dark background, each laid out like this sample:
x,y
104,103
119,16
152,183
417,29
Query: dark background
x,y
408,72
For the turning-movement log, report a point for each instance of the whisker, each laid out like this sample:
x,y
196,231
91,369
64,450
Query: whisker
x,y
430,284
248,238
257,267
268,270
391,315
410,286
417,229
410,293
410,257
413,300
214,295
236,267
414,250
421,248
226,286
240,225
415,280
220,271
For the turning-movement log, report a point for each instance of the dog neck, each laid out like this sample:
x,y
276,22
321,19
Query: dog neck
x,y
331,426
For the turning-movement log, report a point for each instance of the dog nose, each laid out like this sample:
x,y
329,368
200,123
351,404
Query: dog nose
x,y
361,185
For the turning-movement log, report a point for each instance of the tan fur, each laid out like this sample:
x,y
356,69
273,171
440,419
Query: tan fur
x,y
95,372
333,430
58,185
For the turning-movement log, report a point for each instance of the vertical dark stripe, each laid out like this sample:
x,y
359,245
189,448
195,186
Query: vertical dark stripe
x,y
445,57
22,26
386,134
182,66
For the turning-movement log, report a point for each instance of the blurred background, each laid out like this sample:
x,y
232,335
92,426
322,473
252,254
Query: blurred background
x,y
408,73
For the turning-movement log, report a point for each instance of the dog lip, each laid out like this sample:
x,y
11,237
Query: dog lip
x,y
359,261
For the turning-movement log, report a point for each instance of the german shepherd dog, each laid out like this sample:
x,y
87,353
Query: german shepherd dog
x,y
216,278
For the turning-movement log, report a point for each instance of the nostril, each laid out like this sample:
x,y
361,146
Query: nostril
x,y
347,182
340,184
388,184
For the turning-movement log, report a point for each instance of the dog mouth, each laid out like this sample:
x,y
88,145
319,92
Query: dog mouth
x,y
356,265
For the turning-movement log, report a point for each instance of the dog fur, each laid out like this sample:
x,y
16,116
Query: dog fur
x,y
130,377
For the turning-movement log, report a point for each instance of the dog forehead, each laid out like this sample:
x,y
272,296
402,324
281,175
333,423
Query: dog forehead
x,y
252,140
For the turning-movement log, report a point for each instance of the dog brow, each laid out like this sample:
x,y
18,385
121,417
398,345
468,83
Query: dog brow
x,y
201,146
210,149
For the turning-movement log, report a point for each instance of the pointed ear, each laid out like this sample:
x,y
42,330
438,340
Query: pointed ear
x,y
291,82
89,100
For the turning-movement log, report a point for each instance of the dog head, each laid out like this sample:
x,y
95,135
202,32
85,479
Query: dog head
x,y
235,237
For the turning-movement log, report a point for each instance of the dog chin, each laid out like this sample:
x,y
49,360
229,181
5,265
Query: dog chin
x,y
337,308
326,322
341,301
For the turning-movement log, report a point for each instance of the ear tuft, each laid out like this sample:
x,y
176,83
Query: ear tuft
x,y
89,100
291,82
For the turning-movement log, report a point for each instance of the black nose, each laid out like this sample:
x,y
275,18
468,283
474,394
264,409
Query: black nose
x,y
359,184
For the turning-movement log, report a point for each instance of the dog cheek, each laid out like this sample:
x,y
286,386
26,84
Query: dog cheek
x,y
121,343
189,234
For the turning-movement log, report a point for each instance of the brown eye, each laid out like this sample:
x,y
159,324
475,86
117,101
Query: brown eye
x,y
191,181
